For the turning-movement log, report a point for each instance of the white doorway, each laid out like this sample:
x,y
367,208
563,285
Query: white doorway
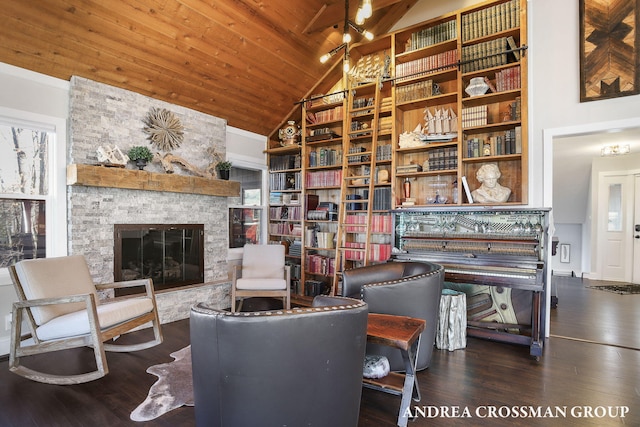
x,y
636,232
615,212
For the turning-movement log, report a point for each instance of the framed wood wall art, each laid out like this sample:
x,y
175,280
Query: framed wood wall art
x,y
609,65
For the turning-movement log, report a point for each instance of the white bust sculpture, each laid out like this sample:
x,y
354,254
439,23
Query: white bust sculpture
x,y
490,191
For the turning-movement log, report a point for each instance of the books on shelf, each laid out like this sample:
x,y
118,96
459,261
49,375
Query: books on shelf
x,y
418,90
325,157
495,144
325,116
474,116
432,35
410,168
492,53
508,79
289,161
443,158
490,20
428,64
329,178
280,181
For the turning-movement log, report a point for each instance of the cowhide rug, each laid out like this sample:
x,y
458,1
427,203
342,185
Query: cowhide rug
x,y
173,389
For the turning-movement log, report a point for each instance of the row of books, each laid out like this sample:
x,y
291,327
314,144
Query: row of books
x,y
330,178
325,157
492,53
419,90
381,199
385,124
321,99
444,158
516,109
295,248
318,264
491,20
289,161
277,198
285,181
379,223
377,251
362,102
383,152
285,212
285,229
474,116
296,270
325,116
354,158
509,142
432,35
427,64
508,79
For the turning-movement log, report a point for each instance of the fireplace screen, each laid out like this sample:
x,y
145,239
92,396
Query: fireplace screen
x,y
171,255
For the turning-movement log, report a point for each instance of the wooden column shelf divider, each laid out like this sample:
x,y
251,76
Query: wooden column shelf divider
x,y
100,176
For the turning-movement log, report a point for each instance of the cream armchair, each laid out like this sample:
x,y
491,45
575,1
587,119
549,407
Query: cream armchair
x,y
63,311
263,273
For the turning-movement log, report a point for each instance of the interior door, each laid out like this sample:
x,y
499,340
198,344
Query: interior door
x,y
615,227
636,232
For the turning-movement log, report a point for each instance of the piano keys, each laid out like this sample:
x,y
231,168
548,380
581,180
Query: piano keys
x,y
497,256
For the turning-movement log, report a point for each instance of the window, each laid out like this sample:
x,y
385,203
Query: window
x,y
31,215
245,212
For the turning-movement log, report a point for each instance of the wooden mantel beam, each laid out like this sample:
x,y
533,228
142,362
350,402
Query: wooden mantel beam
x,y
99,176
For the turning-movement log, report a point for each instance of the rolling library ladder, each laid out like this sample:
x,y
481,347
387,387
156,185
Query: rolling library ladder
x,y
364,169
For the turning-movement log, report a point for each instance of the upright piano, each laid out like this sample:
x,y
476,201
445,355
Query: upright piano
x,y
496,256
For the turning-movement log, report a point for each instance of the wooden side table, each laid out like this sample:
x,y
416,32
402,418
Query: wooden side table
x,y
404,334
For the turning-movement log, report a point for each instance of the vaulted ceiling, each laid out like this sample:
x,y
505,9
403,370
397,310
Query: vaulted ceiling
x,y
246,61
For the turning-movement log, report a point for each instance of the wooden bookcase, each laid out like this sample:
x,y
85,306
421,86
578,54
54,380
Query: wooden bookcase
x,y
421,74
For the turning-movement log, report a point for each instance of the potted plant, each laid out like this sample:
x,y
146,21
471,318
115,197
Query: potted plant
x,y
223,169
141,155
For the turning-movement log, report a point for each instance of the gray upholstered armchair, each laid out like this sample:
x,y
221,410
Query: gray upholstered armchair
x,y
402,288
294,367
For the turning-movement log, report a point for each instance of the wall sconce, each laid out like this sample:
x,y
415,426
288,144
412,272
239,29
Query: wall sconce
x,y
614,150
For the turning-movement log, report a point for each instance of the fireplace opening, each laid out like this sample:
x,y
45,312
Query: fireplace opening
x,y
171,255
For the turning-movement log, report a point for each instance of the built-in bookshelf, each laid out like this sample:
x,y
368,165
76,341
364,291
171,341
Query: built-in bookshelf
x,y
421,111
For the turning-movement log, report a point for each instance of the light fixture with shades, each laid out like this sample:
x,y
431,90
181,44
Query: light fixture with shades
x,y
614,150
364,11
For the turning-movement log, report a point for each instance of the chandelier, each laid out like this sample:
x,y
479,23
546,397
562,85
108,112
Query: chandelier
x,y
364,12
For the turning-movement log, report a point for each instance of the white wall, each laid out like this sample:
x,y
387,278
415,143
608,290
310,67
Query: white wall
x,y
34,94
570,234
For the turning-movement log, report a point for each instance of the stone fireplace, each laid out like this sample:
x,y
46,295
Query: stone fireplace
x,y
172,255
105,115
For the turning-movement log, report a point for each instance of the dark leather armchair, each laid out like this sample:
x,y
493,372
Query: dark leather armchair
x,y
278,368
402,288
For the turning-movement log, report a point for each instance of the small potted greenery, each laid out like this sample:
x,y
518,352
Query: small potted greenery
x,y
141,155
223,169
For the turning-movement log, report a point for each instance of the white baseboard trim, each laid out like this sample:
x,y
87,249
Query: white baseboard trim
x,y
567,273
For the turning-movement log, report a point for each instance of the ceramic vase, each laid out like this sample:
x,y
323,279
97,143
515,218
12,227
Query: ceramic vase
x,y
477,86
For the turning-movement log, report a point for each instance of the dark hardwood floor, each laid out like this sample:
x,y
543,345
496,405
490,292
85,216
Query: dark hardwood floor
x,y
575,372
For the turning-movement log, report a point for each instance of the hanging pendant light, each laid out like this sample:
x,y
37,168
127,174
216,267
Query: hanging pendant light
x,y
367,9
364,10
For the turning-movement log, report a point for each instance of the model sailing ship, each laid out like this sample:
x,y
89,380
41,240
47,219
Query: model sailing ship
x,y
441,125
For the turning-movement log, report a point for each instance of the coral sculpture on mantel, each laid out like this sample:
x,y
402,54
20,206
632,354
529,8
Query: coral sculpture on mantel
x,y
108,156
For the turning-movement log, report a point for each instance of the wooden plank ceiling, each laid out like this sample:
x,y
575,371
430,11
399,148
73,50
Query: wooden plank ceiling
x,y
246,61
